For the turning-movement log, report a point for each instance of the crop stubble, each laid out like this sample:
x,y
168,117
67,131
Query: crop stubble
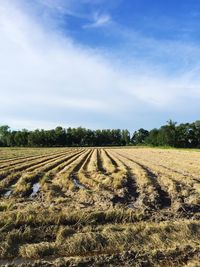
x,y
94,206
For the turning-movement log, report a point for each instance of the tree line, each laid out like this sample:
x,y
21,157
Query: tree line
x,y
184,135
60,137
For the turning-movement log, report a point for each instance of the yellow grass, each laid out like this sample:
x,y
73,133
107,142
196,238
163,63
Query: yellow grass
x,y
109,206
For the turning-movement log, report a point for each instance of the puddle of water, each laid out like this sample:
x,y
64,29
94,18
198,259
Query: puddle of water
x,y
78,184
35,188
8,193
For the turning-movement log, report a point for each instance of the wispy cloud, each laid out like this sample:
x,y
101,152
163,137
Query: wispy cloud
x,y
69,7
47,77
81,9
99,20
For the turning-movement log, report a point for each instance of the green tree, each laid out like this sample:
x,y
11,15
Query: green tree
x,y
139,137
152,138
21,138
167,134
125,137
4,132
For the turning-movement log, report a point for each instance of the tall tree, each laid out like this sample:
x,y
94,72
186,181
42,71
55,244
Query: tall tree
x,y
139,137
4,132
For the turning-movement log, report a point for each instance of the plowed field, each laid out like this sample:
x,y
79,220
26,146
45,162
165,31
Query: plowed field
x,y
99,207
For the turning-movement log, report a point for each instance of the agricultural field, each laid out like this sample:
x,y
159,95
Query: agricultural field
x,y
99,207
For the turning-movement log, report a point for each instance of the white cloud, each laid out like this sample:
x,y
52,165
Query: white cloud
x,y
47,78
99,20
80,9
69,7
46,71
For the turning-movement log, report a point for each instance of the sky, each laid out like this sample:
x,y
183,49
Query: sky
x,y
99,63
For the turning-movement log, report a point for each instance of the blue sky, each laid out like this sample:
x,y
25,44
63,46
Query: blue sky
x,y
99,64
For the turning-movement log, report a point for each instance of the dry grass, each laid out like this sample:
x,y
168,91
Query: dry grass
x,y
100,206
